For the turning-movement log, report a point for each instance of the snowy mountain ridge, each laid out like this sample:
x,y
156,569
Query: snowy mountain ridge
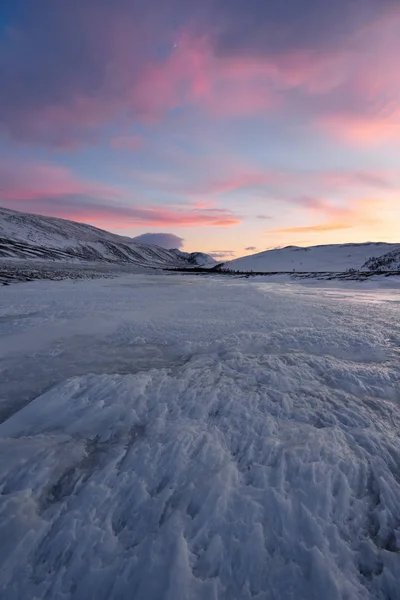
x,y
196,258
333,258
30,236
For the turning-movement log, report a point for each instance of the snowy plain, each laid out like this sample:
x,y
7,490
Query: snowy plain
x,y
177,437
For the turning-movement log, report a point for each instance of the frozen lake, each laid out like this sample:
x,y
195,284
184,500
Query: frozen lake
x,y
180,437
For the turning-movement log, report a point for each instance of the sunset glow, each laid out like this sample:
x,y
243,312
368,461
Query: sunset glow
x,y
237,126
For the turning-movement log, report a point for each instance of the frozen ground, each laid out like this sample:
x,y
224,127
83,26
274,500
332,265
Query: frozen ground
x,y
178,438
19,270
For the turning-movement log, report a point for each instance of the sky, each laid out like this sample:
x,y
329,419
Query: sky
x,y
229,126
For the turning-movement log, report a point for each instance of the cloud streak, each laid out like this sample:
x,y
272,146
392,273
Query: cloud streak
x,y
243,177
54,190
107,214
222,254
313,228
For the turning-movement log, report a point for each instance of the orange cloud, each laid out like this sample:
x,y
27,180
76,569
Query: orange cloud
x,y
369,217
312,228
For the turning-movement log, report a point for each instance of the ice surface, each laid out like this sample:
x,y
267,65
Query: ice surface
x,y
175,438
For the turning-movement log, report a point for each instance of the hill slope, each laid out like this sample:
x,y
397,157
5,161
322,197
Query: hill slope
x,y
199,259
387,262
334,258
29,236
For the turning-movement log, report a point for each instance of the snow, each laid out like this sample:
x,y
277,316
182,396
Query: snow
x,y
388,262
175,437
34,237
334,258
26,236
197,258
51,231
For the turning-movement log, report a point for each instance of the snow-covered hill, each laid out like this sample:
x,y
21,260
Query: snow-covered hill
x,y
334,258
28,236
199,259
387,262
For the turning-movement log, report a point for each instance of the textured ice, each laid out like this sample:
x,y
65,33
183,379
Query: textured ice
x,y
250,452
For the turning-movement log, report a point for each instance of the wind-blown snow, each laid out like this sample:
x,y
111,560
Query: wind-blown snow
x,y
175,437
334,258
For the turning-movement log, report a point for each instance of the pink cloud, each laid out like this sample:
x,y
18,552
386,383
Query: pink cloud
x,y
280,183
55,191
226,86
190,75
346,179
369,110
29,181
359,130
184,217
350,92
124,217
341,84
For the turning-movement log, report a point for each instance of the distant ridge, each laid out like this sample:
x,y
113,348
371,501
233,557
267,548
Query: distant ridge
x,y
31,236
333,258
